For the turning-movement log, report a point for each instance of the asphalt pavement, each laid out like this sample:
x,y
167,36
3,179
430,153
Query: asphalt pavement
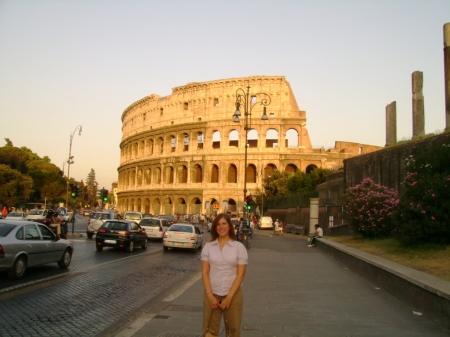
x,y
290,290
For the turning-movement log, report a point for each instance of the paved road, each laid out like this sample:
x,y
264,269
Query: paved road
x,y
291,291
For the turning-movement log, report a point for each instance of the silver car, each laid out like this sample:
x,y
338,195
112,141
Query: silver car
x,y
181,235
17,216
154,227
26,243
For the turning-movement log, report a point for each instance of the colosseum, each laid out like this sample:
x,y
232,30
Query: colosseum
x,y
186,153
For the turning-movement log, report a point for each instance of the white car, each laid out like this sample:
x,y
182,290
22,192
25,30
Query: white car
x,y
265,222
37,214
154,227
17,216
182,235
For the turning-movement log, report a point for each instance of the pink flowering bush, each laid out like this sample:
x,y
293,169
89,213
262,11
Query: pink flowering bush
x,y
423,213
369,208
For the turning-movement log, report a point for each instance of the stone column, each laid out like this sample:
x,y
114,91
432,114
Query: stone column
x,y
391,123
418,104
313,213
447,74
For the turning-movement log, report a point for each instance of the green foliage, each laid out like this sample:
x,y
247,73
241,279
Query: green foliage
x,y
276,183
15,187
369,208
423,213
302,182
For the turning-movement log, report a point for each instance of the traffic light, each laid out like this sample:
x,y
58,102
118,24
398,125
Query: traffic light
x,y
105,195
249,201
73,190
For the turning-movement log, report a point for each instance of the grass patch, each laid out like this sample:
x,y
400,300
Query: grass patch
x,y
429,258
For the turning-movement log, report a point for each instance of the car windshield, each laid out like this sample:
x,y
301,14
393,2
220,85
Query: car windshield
x,y
15,214
149,222
181,228
115,225
100,216
36,212
5,229
131,216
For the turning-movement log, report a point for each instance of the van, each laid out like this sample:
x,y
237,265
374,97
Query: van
x,y
133,216
265,222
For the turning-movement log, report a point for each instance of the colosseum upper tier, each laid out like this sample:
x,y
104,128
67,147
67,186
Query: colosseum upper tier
x,y
184,154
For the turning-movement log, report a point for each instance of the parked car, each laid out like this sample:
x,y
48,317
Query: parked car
x,y
87,212
17,216
265,222
97,219
24,244
154,227
34,214
147,215
181,235
133,216
168,218
121,234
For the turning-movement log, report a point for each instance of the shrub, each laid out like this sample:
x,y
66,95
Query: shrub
x,y
369,208
423,213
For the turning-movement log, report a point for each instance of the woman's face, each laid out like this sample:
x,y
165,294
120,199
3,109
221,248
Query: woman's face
x,y
223,228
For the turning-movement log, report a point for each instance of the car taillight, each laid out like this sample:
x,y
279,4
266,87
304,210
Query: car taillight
x,y
101,230
165,235
192,237
160,229
89,221
2,251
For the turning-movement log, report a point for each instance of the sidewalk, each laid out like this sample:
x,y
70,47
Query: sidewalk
x,y
291,290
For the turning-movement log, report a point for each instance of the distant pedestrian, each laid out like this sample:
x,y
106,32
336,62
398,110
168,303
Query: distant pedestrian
x,y
318,233
4,212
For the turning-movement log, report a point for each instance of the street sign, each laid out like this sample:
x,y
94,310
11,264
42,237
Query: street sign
x,y
61,211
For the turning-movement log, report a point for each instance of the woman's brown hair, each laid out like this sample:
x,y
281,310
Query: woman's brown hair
x,y
219,216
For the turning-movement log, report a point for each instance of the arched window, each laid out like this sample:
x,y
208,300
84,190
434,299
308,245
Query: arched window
x,y
291,139
182,174
251,173
198,174
291,168
157,176
147,177
215,174
252,138
232,174
139,177
169,175
272,138
216,140
186,142
200,140
234,138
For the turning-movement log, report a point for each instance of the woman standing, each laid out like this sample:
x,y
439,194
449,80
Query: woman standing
x,y
224,261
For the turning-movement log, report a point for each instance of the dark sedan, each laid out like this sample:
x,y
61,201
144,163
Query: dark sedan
x,y
121,234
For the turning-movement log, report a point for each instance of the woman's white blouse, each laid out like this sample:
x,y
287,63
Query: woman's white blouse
x,y
223,264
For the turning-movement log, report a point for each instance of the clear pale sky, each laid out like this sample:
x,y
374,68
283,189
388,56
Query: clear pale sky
x,y
65,63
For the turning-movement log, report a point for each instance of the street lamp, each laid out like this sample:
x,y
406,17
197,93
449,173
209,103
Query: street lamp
x,y
70,161
248,101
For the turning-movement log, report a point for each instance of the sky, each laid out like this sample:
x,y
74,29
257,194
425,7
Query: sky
x,y
71,63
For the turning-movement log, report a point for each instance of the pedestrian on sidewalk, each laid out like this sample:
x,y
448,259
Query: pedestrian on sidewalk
x,y
224,262
318,233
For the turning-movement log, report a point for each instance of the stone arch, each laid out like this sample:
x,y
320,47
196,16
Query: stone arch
x,y
196,206
141,150
146,205
138,205
269,169
147,176
133,177
252,138
272,138
181,206
291,168
168,206
157,175
214,173
160,144
131,205
291,139
216,137
168,175
156,206
232,174
139,177
186,142
173,143
182,174
197,176
233,137
310,168
251,173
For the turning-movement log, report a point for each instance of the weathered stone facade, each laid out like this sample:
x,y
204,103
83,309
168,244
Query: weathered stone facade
x,y
183,153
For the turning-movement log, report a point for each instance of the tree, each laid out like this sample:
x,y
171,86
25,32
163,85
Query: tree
x,y
91,188
276,184
423,213
15,187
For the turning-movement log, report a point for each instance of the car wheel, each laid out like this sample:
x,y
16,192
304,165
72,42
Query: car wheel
x,y
144,246
18,269
166,248
65,259
130,247
90,235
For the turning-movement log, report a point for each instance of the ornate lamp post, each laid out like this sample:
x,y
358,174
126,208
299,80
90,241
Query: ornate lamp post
x,y
248,102
70,161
